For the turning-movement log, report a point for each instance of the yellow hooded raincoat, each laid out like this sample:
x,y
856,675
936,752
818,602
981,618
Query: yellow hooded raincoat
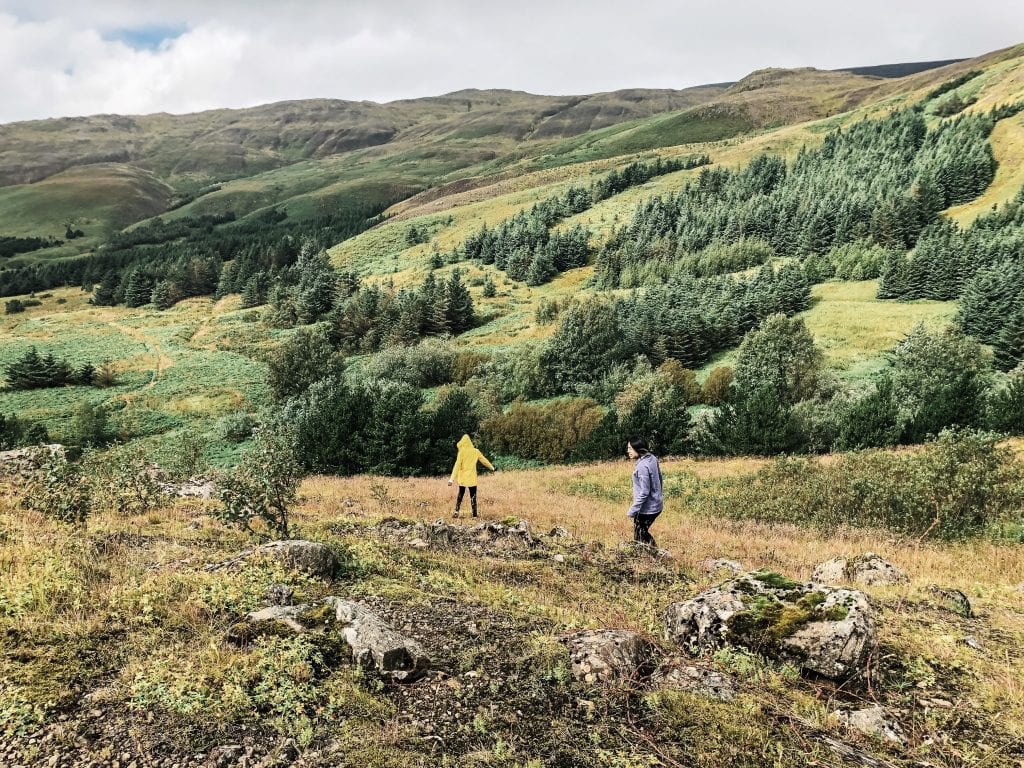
x,y
464,471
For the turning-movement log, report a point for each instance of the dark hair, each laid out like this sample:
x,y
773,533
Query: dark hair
x,y
639,445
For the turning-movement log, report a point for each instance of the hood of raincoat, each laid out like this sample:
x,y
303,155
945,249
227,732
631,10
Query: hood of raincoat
x,y
465,443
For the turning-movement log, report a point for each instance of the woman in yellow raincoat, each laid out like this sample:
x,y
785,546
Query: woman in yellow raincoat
x,y
464,472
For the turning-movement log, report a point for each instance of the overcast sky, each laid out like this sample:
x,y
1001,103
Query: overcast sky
x,y
79,57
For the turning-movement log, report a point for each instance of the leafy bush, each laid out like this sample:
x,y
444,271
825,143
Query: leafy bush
x,y
57,488
264,485
123,480
236,427
427,364
716,386
510,374
548,432
89,426
305,358
1005,407
15,432
958,485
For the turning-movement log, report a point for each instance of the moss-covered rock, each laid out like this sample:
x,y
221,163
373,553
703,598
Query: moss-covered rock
x,y
824,630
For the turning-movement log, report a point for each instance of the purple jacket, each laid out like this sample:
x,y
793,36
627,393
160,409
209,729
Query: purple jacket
x,y
647,498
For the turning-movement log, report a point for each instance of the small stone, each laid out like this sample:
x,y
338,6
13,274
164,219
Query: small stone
x,y
559,558
721,565
558,532
280,594
696,679
972,642
418,543
874,721
953,600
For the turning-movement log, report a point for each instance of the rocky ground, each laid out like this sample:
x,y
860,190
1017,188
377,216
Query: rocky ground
x,y
478,643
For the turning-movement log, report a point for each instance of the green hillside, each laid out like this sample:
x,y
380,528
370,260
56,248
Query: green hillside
x,y
454,164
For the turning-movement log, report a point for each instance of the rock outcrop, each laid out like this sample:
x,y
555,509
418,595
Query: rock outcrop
x,y
868,569
374,644
874,721
952,600
698,679
721,565
609,655
310,557
824,630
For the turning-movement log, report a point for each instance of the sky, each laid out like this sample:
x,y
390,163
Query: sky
x,y
81,57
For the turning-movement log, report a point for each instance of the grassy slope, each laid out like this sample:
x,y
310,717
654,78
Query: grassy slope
x,y
128,615
177,370
852,326
98,199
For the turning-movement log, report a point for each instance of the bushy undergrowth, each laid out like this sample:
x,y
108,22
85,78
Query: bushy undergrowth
x,y
961,484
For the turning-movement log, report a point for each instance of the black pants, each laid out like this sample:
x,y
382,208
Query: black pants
x,y
472,498
642,529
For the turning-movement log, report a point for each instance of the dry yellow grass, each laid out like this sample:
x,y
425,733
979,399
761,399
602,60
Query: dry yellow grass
x,y
145,575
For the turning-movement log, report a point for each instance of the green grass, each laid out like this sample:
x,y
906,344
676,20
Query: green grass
x,y
854,329
180,369
98,199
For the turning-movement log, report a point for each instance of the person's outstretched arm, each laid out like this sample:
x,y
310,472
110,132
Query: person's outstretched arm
x,y
485,462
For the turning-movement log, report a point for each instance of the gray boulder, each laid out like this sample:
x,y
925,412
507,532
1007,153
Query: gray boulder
x,y
952,600
874,721
607,655
721,565
375,645
868,569
310,557
701,680
825,630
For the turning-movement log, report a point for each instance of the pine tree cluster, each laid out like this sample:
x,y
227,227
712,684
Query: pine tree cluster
x,y
525,248
35,371
374,317
885,180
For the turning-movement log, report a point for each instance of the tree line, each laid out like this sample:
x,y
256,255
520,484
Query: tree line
x,y
526,249
878,180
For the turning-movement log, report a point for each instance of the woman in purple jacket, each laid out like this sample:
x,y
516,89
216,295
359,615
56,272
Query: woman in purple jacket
x,y
647,496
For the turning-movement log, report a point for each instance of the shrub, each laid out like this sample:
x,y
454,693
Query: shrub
x,y
263,486
236,427
189,453
754,423
13,307
57,488
305,358
15,433
548,432
510,374
89,426
781,356
427,364
1005,408
939,379
123,480
958,485
588,341
105,376
716,386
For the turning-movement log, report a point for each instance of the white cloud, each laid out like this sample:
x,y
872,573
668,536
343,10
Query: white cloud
x,y
62,58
